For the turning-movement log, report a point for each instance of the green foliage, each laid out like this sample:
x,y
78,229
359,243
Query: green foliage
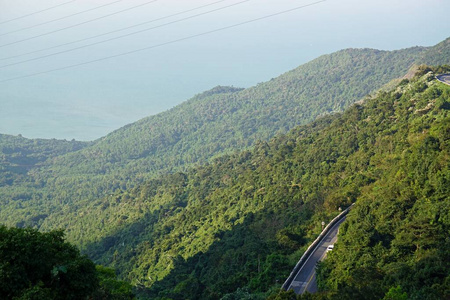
x,y
268,192
238,223
37,265
396,293
397,234
110,287
290,295
242,294
437,55
43,266
19,155
213,123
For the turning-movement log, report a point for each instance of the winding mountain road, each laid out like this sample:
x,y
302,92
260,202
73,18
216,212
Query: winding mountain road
x,y
444,78
305,279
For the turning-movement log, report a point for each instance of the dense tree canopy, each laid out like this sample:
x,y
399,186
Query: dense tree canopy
x,y
37,265
244,219
41,266
212,123
234,226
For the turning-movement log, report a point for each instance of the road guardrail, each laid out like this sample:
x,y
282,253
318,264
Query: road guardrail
x,y
311,248
442,77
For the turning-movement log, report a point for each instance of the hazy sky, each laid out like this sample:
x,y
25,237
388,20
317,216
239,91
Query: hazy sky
x,y
91,100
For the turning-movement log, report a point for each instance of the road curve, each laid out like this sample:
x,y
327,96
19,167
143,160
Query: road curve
x,y
305,279
444,78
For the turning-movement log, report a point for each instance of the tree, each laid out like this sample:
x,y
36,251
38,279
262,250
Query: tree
x,y
36,265
396,293
110,287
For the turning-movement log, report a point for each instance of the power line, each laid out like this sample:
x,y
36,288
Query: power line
x,y
114,31
78,24
163,44
122,36
99,35
61,18
37,12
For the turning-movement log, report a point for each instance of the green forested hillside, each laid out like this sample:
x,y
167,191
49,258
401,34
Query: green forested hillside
x,y
437,55
225,118
19,160
19,155
397,239
237,225
213,123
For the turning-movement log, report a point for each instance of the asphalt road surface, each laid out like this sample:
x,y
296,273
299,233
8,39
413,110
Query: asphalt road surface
x,y
305,280
445,78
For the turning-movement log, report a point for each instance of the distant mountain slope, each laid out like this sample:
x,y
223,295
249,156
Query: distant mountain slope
x,y
219,121
18,155
226,119
437,55
237,225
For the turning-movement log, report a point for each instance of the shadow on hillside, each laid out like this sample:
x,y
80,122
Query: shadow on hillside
x,y
114,246
248,255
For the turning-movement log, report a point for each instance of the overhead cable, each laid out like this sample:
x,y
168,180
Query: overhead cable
x,y
61,18
36,12
162,44
113,31
122,36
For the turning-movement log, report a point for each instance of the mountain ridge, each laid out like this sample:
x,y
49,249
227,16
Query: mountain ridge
x,y
237,169
241,221
207,126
